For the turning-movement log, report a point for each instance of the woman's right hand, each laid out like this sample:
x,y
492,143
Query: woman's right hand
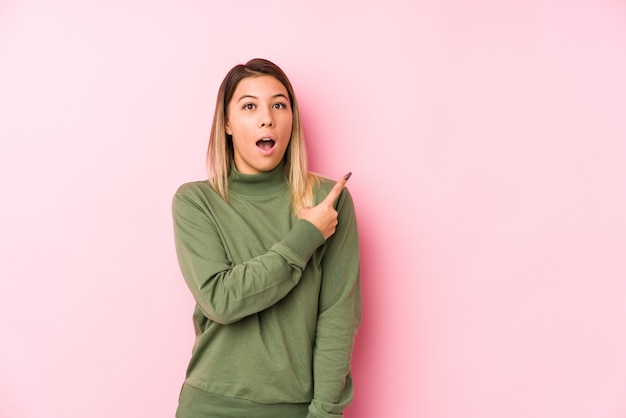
x,y
324,216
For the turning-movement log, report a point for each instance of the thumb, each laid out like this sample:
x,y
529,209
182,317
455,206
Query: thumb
x,y
336,190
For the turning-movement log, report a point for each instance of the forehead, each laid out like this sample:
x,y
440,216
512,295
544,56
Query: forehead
x,y
259,86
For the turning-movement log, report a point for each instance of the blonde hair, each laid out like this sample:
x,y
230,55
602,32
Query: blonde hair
x,y
220,153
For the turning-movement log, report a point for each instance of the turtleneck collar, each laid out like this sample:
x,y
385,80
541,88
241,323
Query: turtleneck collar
x,y
262,184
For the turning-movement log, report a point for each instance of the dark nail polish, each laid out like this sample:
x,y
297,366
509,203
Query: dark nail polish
x,y
347,176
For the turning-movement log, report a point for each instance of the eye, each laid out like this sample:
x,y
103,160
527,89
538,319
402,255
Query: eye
x,y
248,106
280,105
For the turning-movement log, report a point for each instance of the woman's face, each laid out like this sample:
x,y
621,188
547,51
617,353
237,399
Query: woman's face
x,y
259,120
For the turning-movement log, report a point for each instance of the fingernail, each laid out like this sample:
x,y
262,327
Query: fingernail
x,y
347,176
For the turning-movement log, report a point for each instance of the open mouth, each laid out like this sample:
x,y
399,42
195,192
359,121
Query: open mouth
x,y
265,143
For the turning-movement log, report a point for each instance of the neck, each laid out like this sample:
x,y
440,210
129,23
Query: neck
x,y
261,184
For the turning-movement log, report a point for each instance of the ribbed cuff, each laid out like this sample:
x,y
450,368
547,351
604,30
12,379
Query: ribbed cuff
x,y
302,241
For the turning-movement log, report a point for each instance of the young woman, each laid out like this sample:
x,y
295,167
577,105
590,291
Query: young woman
x,y
270,254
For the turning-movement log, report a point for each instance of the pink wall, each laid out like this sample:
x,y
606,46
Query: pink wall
x,y
487,141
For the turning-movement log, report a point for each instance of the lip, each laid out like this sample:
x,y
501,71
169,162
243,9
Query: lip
x,y
268,136
270,151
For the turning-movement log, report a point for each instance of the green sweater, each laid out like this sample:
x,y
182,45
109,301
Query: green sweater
x,y
277,307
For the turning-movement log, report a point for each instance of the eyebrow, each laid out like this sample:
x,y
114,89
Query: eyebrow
x,y
249,96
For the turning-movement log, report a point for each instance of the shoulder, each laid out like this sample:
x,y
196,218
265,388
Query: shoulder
x,y
193,187
322,188
198,193
323,184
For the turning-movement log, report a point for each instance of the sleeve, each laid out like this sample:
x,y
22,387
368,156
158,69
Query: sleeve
x,y
339,317
226,293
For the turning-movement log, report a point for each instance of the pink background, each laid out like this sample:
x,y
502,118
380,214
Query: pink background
x,y
487,141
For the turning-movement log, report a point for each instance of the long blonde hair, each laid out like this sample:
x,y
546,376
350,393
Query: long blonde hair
x,y
220,153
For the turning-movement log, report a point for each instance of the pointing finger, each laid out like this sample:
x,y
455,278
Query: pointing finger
x,y
336,190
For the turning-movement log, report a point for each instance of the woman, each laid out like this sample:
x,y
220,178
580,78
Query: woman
x,y
270,254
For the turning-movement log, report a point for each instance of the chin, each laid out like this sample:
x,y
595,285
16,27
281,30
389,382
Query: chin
x,y
269,166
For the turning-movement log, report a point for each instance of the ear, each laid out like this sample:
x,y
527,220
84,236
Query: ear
x,y
228,130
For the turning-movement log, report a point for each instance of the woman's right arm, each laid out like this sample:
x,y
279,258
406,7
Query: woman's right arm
x,y
227,293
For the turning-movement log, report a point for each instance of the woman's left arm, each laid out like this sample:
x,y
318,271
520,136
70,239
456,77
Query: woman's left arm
x,y
339,316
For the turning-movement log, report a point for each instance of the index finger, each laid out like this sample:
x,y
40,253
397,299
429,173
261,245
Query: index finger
x,y
334,193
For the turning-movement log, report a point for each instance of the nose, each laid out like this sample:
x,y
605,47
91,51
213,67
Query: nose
x,y
266,119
